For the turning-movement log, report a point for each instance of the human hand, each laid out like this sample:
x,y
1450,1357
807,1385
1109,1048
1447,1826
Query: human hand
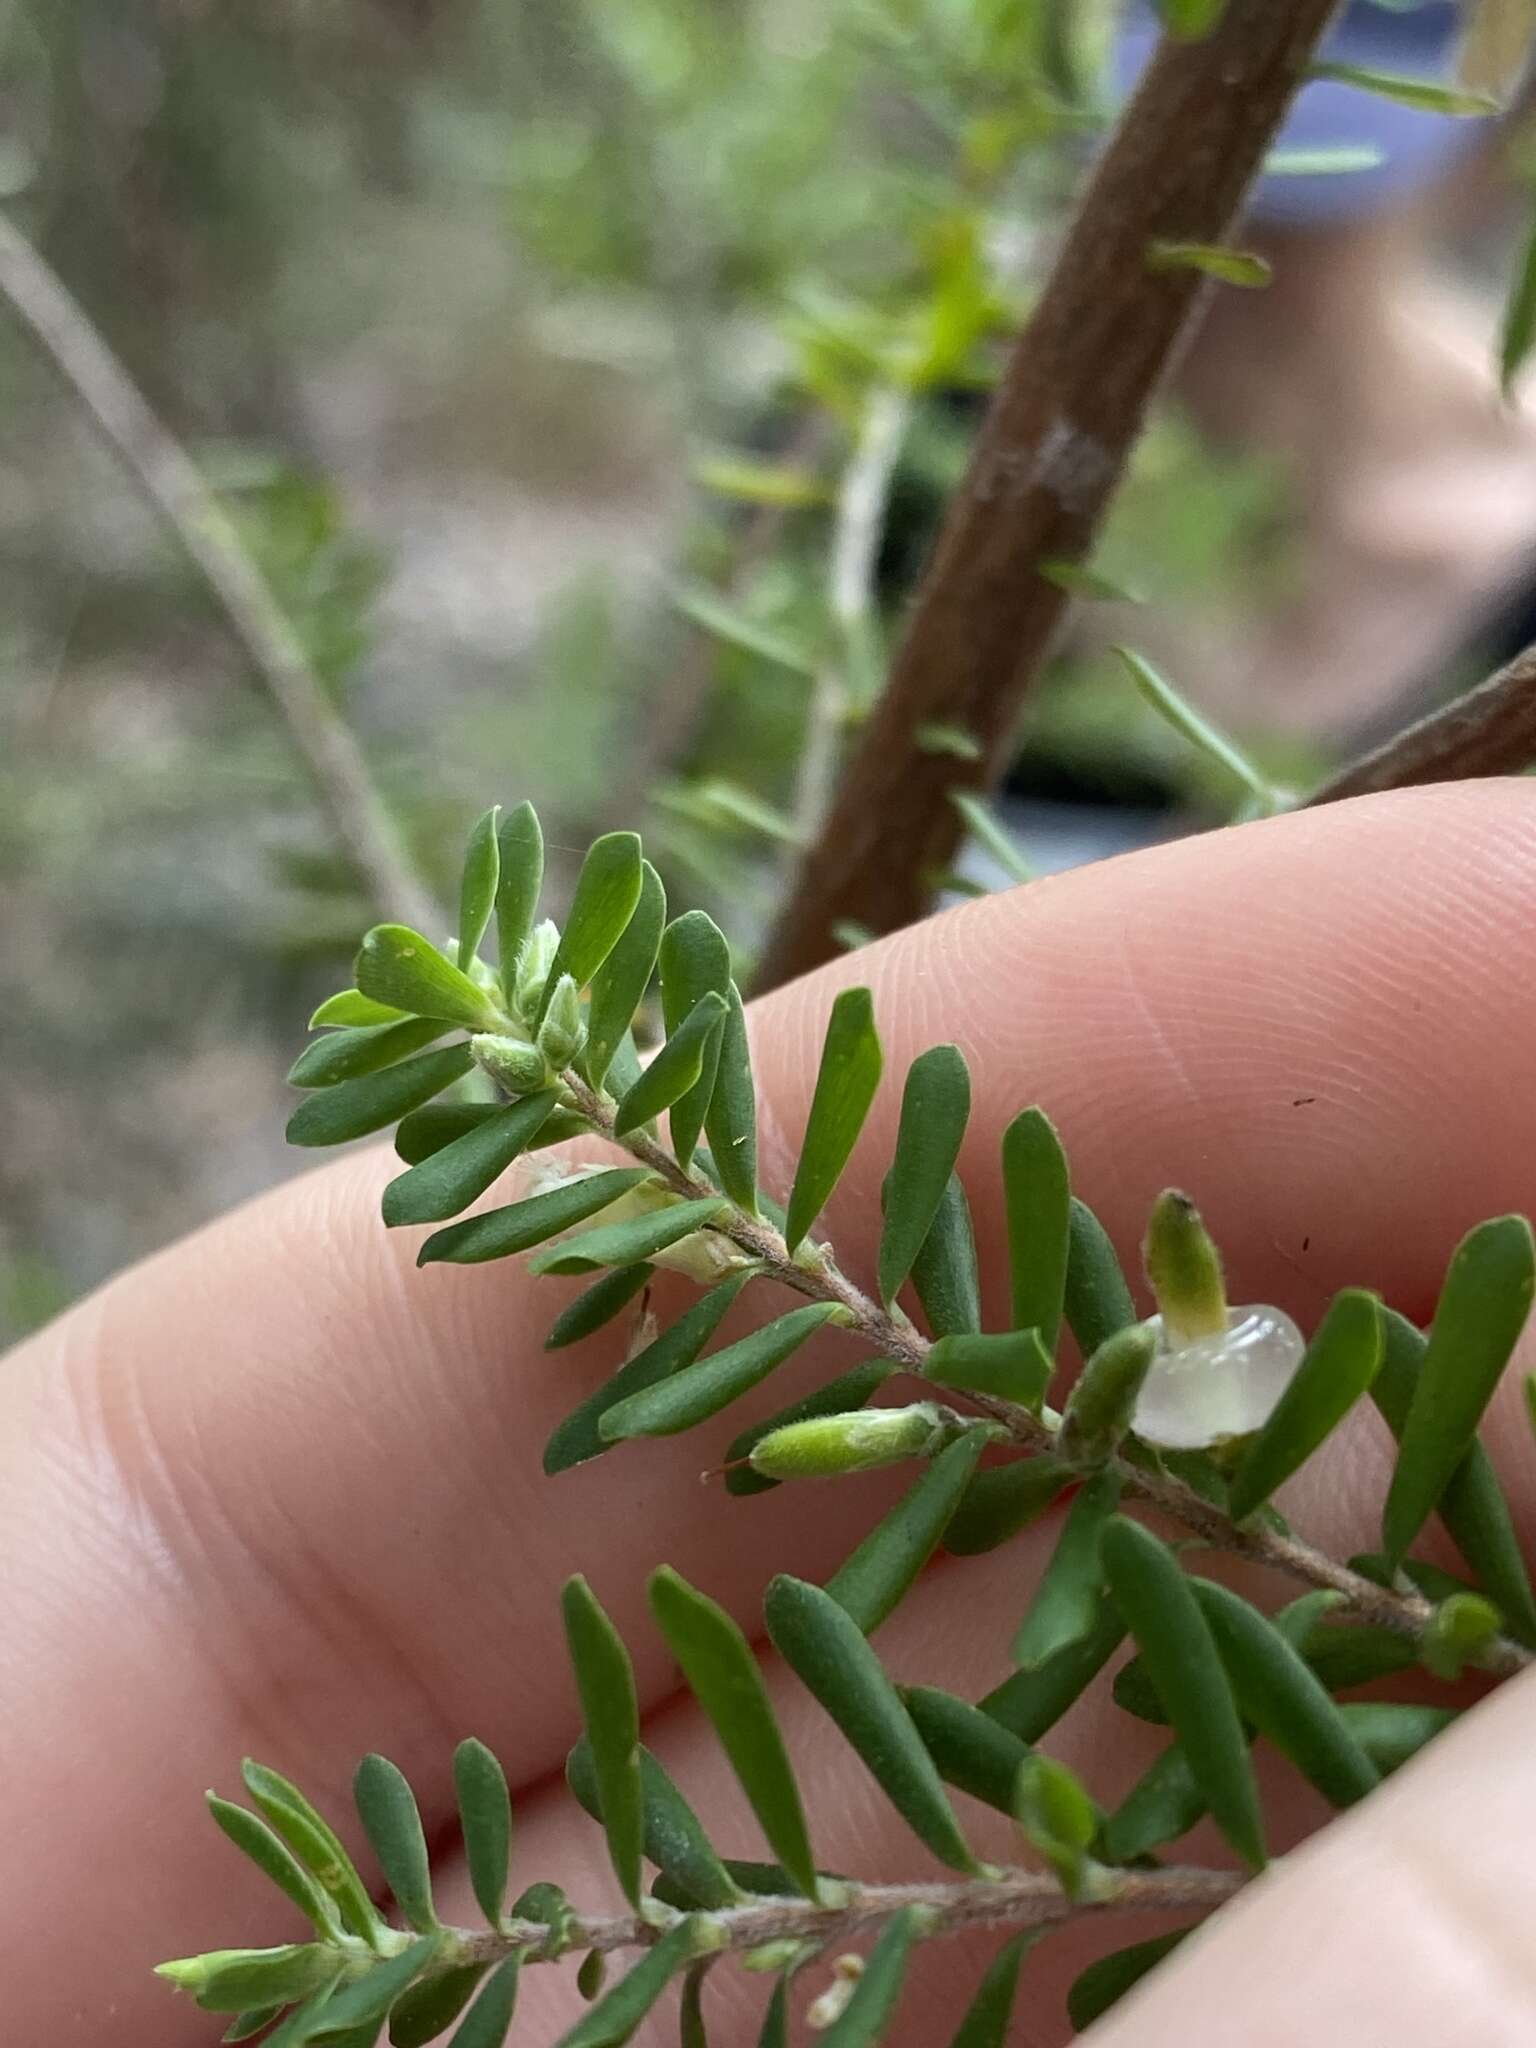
x,y
277,1492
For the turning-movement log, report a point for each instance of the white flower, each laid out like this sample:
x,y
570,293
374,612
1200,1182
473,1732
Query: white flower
x,y
1218,1387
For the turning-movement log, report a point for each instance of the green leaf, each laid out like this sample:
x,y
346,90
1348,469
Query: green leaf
x,y
1030,1703
606,895
353,1109
1066,1604
775,2031
477,884
619,985
869,2012
691,2033
386,1806
548,1905
1037,1202
938,736
1107,1981
579,1437
432,2005
1058,1818
1078,580
1100,1406
724,1678
677,1067
276,1861
489,2019
999,1503
1012,1365
849,1074
1346,1657
1517,330
428,1130
935,1107
1161,1807
614,2019
872,1583
1228,266
731,1119
945,1276
520,878
849,1391
485,1817
1181,1657
597,1305
1215,746
253,2021
991,836
591,1974
715,615
1335,161
827,1652
521,1225
695,964
1421,93
455,1176
970,1750
990,2012
1392,1734
1341,1362
1482,1309
399,966
1473,1506
1097,1301
366,2000
1281,1696
231,1980
344,1055
316,1844
605,1678
1189,20
349,1007
699,1391
636,1238
675,1840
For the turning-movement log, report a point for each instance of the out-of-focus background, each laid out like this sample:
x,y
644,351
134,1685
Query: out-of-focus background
x,y
528,346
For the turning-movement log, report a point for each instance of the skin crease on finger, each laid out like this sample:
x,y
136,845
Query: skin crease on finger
x,y
272,1491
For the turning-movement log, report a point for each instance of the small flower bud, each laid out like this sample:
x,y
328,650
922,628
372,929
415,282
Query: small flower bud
x,y
858,1442
1101,1405
1461,1628
833,2002
1184,1269
1217,1388
519,1067
533,964
563,1032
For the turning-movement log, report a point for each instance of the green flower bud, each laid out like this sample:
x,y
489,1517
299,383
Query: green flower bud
x,y
519,1067
563,1032
1101,1405
857,1442
533,964
1184,1268
1460,1630
232,1979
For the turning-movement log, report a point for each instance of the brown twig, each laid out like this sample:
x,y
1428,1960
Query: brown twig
x,y
1489,731
169,479
1046,465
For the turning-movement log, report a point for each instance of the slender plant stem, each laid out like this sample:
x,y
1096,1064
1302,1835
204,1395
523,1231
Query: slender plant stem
x,y
171,482
1404,1612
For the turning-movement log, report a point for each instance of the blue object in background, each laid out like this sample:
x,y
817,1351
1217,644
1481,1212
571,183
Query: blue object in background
x,y
1416,148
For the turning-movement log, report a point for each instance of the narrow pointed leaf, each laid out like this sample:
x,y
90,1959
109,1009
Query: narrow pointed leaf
x,y
691,2031
462,1171
1393,1733
366,2000
276,1861
1107,1981
872,1583
1280,1695
723,1676
775,2028
1175,1641
353,1109
246,2024
731,1119
970,1750
1066,1603
485,1818
1000,1502
1161,1807
1013,1365
676,1068
428,1130
1421,93
522,1225
349,1007
1098,1303
675,1840
605,1679
597,1305
1482,1309
607,891
945,1276
864,2020
1030,1703
1213,259
431,2006
991,836
1222,752
695,963
1518,330
846,1081
1341,1362
699,1391
636,1238
520,878
1037,1201
233,1980
619,986
396,965
990,2014
935,1108
316,1844
849,1391
386,1806
827,1652
367,1049
477,884
616,2016
489,2019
